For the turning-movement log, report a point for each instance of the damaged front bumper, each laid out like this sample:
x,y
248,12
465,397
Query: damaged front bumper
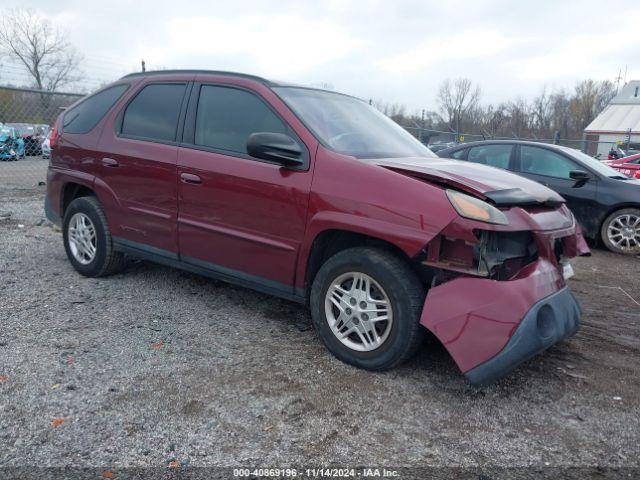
x,y
549,321
489,326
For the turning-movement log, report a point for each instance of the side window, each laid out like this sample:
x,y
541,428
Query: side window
x,y
540,161
492,155
153,113
227,116
459,154
87,114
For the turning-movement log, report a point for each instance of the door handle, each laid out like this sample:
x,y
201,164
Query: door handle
x,y
110,162
190,178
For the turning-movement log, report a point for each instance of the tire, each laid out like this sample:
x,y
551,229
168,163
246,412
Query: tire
x,y
620,231
390,277
105,260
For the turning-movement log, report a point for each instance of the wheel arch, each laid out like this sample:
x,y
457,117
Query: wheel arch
x,y
72,190
331,241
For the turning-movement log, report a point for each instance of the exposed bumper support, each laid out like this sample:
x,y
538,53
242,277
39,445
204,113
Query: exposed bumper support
x,y
552,319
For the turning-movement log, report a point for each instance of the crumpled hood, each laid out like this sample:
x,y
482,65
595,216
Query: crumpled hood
x,y
501,187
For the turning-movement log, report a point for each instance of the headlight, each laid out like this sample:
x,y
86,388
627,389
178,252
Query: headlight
x,y
475,209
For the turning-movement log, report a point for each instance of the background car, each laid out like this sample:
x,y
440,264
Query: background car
x,y
46,148
30,136
630,166
11,146
605,202
436,147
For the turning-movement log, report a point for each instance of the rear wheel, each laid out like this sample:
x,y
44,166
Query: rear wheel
x,y
621,231
366,305
87,239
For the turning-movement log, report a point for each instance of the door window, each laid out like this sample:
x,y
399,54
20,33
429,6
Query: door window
x,y
227,116
153,113
541,161
492,155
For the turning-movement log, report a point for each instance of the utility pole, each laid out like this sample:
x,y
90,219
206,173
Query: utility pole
x,y
144,68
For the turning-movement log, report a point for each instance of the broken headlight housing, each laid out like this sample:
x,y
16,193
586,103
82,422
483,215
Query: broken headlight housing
x,y
475,209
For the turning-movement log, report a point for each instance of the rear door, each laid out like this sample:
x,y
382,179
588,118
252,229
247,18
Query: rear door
x,y
238,215
138,165
552,169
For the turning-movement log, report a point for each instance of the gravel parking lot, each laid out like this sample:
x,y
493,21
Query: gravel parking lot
x,y
155,365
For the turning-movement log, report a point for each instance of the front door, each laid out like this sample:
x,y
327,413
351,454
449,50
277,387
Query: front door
x,y
552,170
239,216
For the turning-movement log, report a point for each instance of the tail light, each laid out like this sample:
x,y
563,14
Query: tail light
x,y
53,136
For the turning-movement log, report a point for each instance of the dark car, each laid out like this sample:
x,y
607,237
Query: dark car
x,y
436,147
316,197
605,202
32,137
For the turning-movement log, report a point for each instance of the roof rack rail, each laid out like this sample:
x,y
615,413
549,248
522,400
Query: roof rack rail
x,y
212,72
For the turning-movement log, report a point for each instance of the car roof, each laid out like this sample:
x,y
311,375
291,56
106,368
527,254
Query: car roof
x,y
501,141
223,73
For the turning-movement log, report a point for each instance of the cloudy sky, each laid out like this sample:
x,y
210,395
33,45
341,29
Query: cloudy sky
x,y
393,51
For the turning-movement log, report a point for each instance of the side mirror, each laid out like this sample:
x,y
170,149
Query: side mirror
x,y
579,175
275,147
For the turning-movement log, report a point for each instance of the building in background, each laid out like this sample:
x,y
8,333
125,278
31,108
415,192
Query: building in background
x,y
618,124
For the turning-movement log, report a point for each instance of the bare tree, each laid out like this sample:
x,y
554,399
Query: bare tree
x,y
541,113
519,117
456,99
42,49
589,100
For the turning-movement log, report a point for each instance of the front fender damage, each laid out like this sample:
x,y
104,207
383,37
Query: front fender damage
x,y
485,283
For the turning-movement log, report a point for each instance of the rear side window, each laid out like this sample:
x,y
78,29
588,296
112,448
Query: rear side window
x,y
459,154
540,161
87,114
153,113
227,116
492,155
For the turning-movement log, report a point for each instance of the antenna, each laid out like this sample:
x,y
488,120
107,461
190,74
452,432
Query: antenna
x,y
618,78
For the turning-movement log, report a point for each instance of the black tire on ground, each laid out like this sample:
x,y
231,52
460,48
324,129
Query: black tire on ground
x,y
106,260
634,246
406,295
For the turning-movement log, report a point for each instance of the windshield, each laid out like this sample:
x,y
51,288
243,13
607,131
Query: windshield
x,y
350,126
5,132
594,164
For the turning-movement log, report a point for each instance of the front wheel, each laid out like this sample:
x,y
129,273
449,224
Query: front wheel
x,y
366,305
621,231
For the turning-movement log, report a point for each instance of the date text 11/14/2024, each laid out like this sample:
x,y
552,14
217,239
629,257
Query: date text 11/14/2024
x,y
362,472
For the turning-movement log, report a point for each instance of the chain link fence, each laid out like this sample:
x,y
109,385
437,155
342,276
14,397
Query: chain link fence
x,y
26,116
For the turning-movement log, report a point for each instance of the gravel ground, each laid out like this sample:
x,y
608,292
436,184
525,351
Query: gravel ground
x,y
26,172
154,365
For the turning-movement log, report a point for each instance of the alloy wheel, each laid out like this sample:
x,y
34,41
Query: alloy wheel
x,y
624,231
82,238
358,311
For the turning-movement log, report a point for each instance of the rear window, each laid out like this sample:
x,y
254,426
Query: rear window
x,y
153,113
87,114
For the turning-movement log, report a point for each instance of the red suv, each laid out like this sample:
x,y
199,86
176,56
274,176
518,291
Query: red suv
x,y
316,197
